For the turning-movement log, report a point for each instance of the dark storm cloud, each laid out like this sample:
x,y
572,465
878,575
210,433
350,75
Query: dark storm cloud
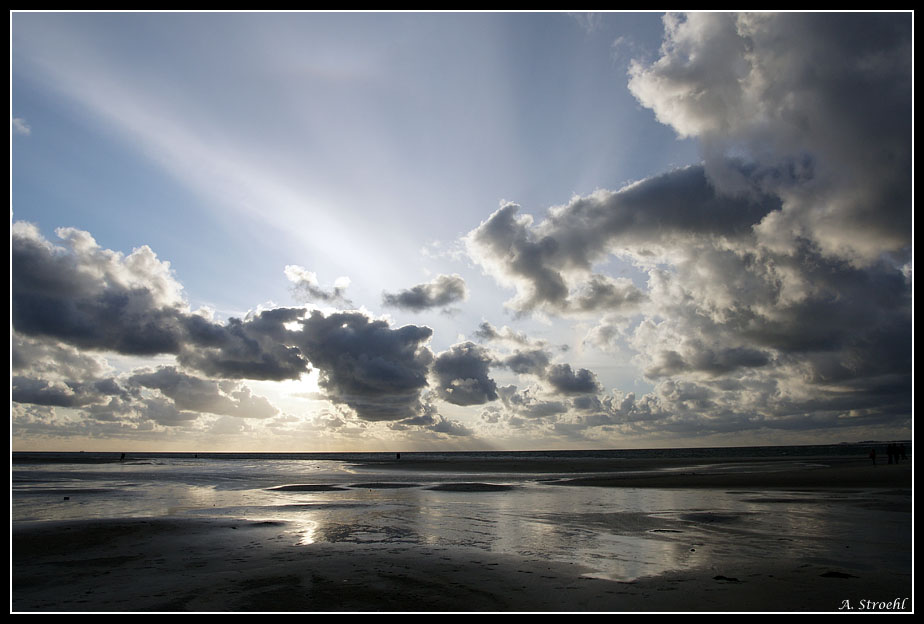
x,y
442,291
462,375
365,364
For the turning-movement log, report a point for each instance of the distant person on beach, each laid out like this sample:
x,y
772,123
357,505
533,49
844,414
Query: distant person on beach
x,y
122,458
397,456
872,455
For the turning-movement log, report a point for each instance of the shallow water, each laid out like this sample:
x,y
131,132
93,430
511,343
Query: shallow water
x,y
615,533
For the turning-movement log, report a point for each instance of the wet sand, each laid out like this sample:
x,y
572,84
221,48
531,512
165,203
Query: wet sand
x,y
826,472
222,565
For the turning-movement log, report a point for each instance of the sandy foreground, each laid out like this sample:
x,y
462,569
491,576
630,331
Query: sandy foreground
x,y
223,565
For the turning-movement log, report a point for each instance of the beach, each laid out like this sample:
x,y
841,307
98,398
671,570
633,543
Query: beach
x,y
765,536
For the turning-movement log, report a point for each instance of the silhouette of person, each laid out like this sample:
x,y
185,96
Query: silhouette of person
x,y
872,455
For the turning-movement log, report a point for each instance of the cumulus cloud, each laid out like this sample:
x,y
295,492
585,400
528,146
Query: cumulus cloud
x,y
524,408
376,370
442,291
203,395
551,263
59,393
52,360
84,297
813,107
567,381
778,290
93,298
462,375
260,346
430,420
528,362
771,283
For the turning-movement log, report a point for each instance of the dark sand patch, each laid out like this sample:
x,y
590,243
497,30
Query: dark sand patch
x,y
708,517
471,487
64,491
384,486
831,478
307,487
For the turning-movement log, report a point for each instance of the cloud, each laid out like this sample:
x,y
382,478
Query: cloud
x,y
551,263
770,289
524,408
531,361
567,381
506,336
202,395
813,107
307,289
21,126
259,346
51,360
779,291
442,291
462,375
365,364
166,413
93,298
59,393
430,420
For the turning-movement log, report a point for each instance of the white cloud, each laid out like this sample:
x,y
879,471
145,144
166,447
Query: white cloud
x,y
21,126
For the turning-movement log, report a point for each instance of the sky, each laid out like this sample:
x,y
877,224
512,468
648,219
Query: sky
x,y
459,231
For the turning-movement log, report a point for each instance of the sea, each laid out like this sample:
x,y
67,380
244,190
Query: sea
x,y
373,499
